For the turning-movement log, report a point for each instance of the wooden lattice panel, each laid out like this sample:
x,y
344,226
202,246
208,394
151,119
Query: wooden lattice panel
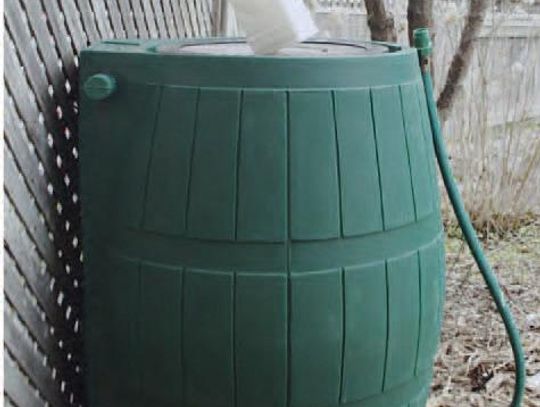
x,y
44,277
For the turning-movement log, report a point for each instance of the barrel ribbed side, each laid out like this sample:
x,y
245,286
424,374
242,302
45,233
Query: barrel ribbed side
x,y
169,168
359,334
271,247
359,162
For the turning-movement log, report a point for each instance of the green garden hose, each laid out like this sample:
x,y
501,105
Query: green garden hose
x,y
423,43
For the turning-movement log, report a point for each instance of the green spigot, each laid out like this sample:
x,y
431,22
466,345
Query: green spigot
x,y
99,86
422,42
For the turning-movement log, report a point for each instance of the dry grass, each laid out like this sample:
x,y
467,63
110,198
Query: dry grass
x,y
474,366
493,132
493,138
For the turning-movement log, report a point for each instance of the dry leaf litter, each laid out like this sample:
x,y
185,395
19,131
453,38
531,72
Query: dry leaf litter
x,y
474,366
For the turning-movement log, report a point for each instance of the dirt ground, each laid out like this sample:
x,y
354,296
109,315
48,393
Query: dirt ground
x,y
474,366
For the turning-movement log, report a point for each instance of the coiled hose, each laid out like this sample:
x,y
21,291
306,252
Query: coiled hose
x,y
423,43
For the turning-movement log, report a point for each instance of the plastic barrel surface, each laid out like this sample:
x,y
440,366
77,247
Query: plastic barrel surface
x,y
258,231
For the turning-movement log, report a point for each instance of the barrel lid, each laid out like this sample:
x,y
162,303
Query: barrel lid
x,y
319,48
229,63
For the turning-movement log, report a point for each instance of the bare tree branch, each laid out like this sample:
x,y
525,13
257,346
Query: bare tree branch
x,y
462,58
380,22
419,15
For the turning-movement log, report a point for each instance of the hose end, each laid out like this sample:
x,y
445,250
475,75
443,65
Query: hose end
x,y
422,42
424,45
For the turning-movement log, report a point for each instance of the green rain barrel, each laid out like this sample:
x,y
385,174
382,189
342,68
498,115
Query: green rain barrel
x,y
259,231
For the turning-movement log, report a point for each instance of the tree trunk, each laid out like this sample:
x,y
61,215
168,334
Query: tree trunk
x,y
462,58
419,15
380,22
